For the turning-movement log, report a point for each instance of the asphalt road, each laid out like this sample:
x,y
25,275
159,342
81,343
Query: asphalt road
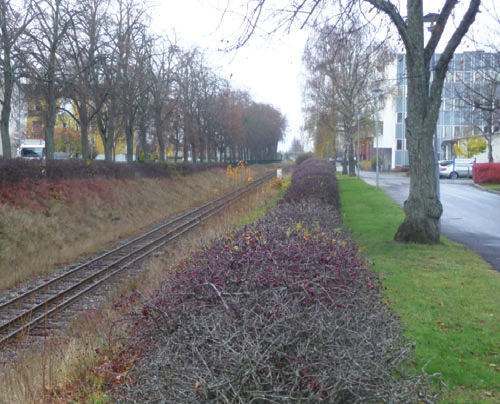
x,y
471,216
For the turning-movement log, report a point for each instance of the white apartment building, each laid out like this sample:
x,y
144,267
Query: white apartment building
x,y
458,119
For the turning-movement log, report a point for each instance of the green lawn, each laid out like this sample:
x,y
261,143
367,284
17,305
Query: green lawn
x,y
448,297
495,187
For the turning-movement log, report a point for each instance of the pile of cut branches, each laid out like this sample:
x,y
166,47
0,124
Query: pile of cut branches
x,y
280,311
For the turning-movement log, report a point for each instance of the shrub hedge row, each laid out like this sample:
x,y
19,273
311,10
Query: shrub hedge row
x,y
280,311
15,171
314,180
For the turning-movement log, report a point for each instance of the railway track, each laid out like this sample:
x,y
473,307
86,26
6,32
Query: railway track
x,y
30,311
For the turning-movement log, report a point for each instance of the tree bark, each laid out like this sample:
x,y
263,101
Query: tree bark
x,y
352,165
5,117
423,208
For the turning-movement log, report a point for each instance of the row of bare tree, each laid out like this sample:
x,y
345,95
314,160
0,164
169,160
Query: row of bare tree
x,y
132,86
345,64
423,207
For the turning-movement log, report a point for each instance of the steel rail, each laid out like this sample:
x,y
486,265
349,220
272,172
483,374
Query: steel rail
x,y
142,246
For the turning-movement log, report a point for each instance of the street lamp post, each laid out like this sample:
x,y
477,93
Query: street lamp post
x,y
357,157
377,92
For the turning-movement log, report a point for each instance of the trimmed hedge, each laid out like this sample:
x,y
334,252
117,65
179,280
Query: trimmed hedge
x,y
15,171
280,311
486,173
314,180
304,157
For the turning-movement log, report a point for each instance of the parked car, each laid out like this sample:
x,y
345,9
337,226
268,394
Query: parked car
x,y
456,168
61,156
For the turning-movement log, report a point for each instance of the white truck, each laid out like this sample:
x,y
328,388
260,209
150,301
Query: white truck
x,y
32,149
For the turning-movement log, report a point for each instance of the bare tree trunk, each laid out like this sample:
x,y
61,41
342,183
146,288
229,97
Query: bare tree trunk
x,y
185,150
352,165
490,148
423,208
143,139
344,159
161,142
5,117
129,135
108,145
193,151
84,128
203,146
51,112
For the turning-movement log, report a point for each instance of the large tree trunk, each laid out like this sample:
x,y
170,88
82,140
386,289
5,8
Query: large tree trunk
x,y
352,165
160,138
344,160
84,128
108,144
129,135
143,139
203,146
50,124
6,108
423,208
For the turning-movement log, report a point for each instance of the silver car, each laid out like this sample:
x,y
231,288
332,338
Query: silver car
x,y
456,168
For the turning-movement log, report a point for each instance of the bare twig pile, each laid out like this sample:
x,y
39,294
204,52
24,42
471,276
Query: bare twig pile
x,y
281,311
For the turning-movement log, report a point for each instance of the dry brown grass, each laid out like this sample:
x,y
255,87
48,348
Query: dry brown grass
x,y
60,372
33,243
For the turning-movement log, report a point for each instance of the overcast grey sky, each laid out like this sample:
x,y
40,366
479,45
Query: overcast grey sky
x,y
269,68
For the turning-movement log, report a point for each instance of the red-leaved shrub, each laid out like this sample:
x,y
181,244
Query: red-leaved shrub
x,y
486,173
280,311
18,170
314,180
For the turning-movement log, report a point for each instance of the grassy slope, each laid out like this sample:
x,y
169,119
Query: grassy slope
x,y
63,367
33,242
447,297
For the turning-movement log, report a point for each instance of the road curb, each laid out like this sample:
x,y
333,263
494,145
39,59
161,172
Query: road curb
x,y
486,189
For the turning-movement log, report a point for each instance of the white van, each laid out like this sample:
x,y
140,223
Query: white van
x,y
456,168
32,149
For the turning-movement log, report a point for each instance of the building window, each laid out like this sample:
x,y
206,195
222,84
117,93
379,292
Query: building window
x,y
36,127
399,144
457,132
458,77
400,117
447,131
459,103
401,91
448,104
478,77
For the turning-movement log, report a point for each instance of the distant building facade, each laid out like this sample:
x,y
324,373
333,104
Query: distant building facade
x,y
459,117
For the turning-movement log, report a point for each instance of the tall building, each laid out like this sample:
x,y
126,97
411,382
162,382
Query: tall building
x,y
467,93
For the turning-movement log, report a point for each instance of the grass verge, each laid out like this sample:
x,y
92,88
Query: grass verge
x,y
494,187
446,295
